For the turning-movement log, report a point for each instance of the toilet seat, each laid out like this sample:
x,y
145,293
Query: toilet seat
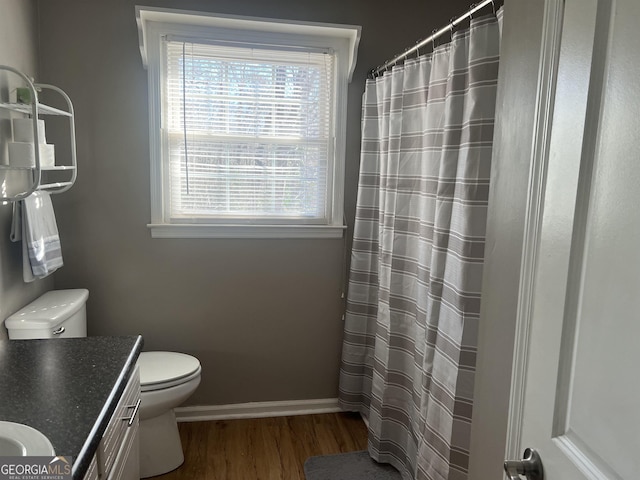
x,y
160,370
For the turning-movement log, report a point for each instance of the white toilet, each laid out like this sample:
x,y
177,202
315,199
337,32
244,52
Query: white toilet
x,y
167,378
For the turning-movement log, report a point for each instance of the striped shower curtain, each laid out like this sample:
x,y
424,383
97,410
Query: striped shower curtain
x,y
413,304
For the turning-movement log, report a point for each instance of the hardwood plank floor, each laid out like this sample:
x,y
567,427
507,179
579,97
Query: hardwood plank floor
x,y
264,448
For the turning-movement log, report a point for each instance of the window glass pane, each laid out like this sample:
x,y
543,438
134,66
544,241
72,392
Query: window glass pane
x,y
248,130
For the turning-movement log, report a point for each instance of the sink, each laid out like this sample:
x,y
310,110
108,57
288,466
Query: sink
x,y
18,440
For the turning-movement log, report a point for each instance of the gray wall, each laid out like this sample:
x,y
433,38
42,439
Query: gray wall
x,y
18,42
263,316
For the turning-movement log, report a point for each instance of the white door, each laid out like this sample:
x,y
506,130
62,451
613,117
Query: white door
x,y
582,380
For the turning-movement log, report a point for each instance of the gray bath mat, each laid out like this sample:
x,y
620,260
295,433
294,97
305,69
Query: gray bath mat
x,y
348,466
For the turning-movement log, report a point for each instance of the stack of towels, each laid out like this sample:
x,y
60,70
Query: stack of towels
x,y
22,150
34,222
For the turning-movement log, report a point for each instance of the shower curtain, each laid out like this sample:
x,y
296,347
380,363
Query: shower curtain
x,y
413,302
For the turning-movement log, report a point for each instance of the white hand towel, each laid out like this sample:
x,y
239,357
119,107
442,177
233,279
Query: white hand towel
x,y
16,223
17,227
41,250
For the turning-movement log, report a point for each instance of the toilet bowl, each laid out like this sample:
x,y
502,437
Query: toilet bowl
x,y
166,378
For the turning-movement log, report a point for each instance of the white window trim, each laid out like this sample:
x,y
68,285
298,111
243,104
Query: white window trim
x,y
155,23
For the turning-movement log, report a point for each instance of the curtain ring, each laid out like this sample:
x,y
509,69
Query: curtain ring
x,y
493,5
451,26
433,40
473,5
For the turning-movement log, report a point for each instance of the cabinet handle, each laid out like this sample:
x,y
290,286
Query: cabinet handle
x,y
135,407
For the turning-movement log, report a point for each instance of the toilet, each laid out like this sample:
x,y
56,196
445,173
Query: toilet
x,y
166,378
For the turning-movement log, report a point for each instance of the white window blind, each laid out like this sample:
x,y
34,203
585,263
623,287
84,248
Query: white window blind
x,y
249,133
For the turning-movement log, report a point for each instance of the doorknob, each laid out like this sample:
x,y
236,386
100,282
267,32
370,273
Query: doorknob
x,y
530,466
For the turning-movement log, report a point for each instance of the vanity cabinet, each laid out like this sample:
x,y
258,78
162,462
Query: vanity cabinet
x,y
92,471
84,401
118,454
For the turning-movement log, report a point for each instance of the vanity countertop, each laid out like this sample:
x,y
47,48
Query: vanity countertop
x,y
67,388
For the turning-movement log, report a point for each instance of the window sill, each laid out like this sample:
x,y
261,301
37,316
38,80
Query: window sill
x,y
164,230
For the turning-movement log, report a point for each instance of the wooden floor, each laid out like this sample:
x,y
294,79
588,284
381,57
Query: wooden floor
x,y
265,448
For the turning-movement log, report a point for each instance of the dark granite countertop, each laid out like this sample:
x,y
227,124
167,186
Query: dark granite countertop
x,y
67,388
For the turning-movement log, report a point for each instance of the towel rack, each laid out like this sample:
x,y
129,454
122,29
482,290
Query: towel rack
x,y
36,109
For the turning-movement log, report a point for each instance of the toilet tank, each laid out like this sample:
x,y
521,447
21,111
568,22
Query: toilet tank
x,y
55,314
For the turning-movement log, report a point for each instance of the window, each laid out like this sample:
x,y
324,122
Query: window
x,y
248,132
247,121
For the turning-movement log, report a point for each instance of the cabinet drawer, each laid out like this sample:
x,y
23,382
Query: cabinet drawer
x,y
127,463
92,471
120,422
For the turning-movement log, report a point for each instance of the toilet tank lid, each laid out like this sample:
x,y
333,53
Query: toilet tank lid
x,y
48,310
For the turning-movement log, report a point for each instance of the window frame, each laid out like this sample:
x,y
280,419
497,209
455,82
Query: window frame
x,y
155,24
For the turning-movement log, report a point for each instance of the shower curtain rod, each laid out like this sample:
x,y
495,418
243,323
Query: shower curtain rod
x,y
473,9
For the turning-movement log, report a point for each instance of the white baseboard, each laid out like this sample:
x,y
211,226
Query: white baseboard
x,y
257,410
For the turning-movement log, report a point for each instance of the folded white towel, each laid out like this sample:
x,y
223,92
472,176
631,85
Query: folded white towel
x,y
41,251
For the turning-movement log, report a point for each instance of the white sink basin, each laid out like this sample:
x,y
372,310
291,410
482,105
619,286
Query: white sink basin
x,y
18,440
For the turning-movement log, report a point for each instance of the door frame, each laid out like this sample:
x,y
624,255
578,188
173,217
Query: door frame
x,y
528,71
